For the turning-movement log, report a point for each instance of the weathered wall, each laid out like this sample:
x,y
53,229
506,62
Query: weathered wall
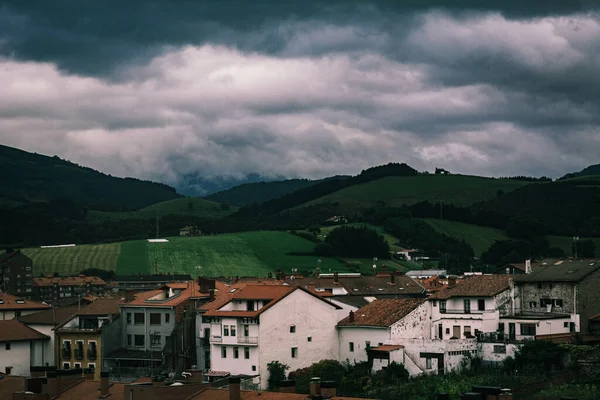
x,y
359,336
587,299
415,325
531,293
18,357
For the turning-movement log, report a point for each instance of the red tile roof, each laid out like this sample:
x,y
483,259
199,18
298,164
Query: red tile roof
x,y
143,299
80,280
224,292
475,286
14,331
387,347
90,390
223,394
9,302
382,313
58,316
102,306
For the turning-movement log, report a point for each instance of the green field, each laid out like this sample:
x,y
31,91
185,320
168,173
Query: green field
x,y
479,237
398,190
184,206
244,254
392,240
72,260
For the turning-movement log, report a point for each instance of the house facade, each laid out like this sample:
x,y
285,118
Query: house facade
x,y
263,323
21,347
16,271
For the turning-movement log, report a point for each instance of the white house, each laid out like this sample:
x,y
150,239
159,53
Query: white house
x,y
263,323
13,306
20,348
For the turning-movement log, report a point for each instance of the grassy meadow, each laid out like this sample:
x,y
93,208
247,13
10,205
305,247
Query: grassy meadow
x,y
72,260
399,190
184,206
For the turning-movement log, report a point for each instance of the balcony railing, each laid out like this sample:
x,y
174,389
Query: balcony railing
x,y
247,339
216,339
79,354
461,311
92,354
66,354
524,312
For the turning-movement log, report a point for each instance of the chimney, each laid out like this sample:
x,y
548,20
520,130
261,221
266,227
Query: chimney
x,y
335,277
351,316
88,374
384,268
104,383
451,282
234,389
51,383
393,277
328,389
211,292
315,387
527,266
287,386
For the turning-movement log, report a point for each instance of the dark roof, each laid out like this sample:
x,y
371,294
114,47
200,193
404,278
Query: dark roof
x,y
386,347
367,285
9,385
7,256
102,306
475,286
382,313
354,301
80,280
90,390
58,316
152,278
560,271
13,331
223,394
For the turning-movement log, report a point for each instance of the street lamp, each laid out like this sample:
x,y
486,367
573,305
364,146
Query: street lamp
x,y
198,267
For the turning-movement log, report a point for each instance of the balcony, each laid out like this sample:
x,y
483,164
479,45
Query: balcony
x,y
532,313
461,311
216,339
79,354
247,340
66,354
92,354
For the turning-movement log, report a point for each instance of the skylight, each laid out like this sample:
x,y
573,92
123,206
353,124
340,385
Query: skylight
x,y
232,290
20,301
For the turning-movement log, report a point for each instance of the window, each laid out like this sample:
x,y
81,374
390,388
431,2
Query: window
x,y
558,302
532,304
539,285
225,330
254,368
155,340
246,330
501,327
128,318
309,338
434,303
7,346
293,329
443,306
139,340
351,346
467,303
428,363
77,365
223,352
17,313
528,329
367,344
154,319
246,353
167,318
566,325
139,319
91,366
128,340
236,352
66,365
481,304
294,352
500,349
467,331
8,370
232,329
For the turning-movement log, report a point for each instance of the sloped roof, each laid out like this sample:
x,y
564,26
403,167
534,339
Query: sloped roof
x,y
223,394
9,385
475,286
58,316
10,302
382,313
387,347
560,271
142,299
90,390
367,285
102,306
13,331
224,292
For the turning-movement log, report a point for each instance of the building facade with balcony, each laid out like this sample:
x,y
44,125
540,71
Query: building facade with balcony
x,y
57,289
16,273
80,342
258,324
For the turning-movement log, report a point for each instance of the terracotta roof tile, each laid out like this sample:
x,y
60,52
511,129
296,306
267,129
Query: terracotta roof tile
x,y
223,394
382,313
387,347
13,331
58,316
475,286
144,299
367,285
90,390
68,281
11,384
102,306
224,293
10,302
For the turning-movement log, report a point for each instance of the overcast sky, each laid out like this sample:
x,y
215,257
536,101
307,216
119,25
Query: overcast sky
x,y
159,89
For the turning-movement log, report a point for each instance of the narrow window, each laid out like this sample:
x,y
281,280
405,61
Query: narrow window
x,y
443,306
467,303
246,353
139,318
293,329
225,330
233,330
428,363
351,346
294,352
128,318
481,304
7,346
223,352
128,340
138,340
167,318
236,352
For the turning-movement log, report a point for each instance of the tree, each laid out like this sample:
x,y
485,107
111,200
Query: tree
x,y
328,370
100,273
358,242
393,373
323,249
585,248
276,374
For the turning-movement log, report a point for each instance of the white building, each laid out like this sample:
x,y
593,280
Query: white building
x,y
20,348
263,323
13,306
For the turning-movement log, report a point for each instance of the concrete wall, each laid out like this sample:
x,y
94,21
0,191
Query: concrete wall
x,y
18,357
415,325
49,355
495,353
164,329
543,326
235,366
587,299
359,336
531,293
312,317
453,350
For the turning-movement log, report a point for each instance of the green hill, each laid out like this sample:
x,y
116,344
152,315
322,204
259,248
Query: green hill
x,y
30,177
479,237
259,192
182,206
244,254
400,190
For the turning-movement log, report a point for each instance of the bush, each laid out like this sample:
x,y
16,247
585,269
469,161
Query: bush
x,y
276,374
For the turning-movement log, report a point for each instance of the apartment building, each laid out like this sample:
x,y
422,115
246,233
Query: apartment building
x,y
60,289
258,324
146,282
16,271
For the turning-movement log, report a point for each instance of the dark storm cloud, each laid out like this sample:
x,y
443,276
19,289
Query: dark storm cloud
x,y
159,91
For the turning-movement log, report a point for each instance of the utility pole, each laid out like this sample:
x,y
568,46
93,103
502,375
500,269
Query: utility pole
x,y
157,229
441,209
